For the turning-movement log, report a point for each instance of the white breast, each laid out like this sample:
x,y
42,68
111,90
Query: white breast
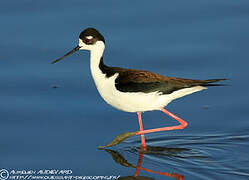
x,y
129,102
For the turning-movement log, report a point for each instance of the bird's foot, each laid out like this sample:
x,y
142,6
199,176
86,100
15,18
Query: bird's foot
x,y
120,138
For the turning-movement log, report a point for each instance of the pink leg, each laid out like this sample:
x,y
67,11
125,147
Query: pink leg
x,y
182,125
141,129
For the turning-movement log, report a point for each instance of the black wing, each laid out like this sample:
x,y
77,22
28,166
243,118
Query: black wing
x,y
131,80
145,81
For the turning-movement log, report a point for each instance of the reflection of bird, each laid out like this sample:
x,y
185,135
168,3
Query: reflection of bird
x,y
118,158
134,90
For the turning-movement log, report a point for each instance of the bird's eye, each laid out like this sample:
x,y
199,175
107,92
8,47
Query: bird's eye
x,y
87,41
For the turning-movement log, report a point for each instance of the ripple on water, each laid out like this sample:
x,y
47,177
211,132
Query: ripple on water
x,y
217,153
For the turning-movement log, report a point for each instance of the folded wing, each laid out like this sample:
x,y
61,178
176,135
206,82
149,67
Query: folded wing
x,y
145,81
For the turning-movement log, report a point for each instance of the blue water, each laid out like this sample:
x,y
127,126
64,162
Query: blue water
x,y
43,127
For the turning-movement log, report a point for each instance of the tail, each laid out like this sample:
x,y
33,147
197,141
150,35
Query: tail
x,y
209,82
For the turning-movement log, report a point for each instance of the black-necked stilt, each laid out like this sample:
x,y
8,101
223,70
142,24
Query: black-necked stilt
x,y
134,90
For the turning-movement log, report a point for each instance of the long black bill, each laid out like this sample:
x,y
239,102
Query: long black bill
x,y
70,52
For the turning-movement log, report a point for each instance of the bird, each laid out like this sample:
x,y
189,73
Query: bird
x,y
133,90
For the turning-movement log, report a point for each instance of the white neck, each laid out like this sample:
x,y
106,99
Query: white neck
x,y
96,52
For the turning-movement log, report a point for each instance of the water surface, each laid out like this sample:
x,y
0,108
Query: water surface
x,y
43,127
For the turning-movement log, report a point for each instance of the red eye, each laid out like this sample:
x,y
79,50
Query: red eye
x,y
87,41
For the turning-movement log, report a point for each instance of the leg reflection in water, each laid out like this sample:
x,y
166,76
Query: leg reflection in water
x,y
118,158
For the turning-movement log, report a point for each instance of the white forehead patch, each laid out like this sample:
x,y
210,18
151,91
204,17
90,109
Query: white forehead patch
x,y
89,37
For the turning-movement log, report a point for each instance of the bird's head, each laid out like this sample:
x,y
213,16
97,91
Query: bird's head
x,y
89,39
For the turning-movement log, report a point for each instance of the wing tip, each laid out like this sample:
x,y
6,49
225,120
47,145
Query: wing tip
x,y
209,82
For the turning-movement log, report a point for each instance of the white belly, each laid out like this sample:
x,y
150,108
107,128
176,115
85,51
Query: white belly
x,y
137,101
